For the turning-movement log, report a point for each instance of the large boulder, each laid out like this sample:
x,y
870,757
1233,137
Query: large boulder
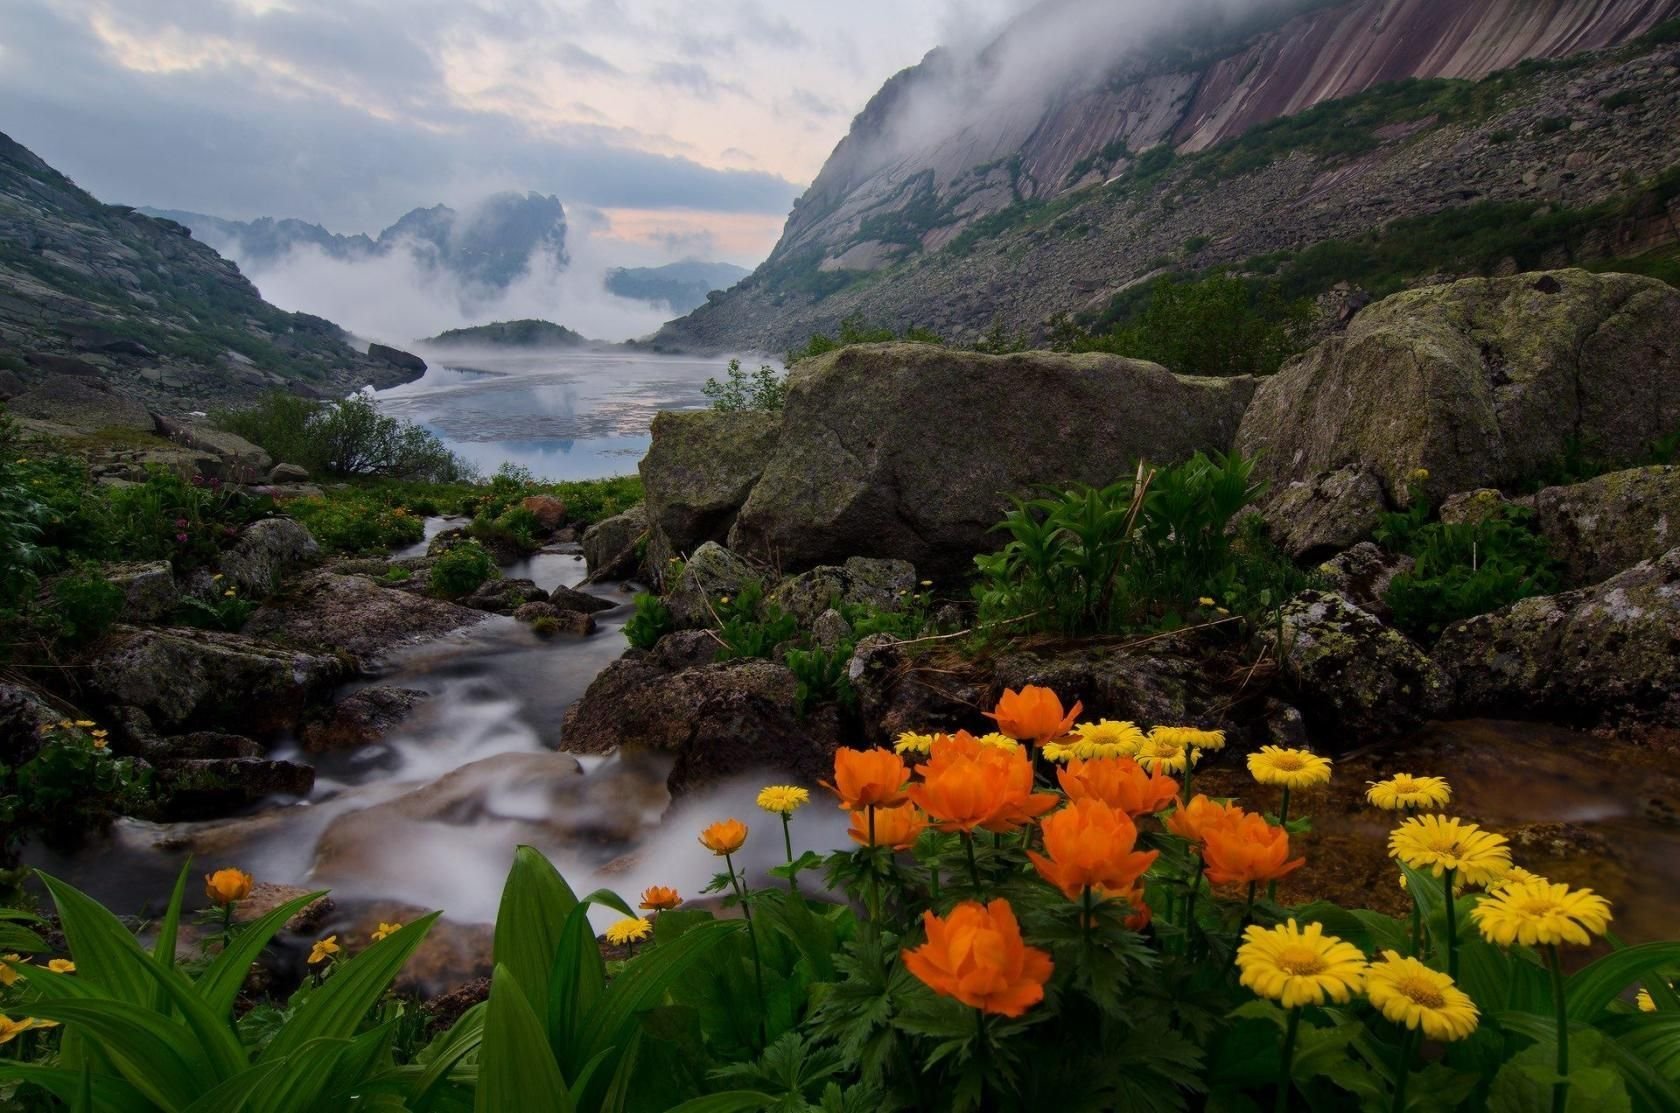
x,y
1164,684
1363,573
1601,654
1324,514
403,361
148,588
356,615
570,599
912,451
1354,679
612,547
81,403
241,460
265,552
1479,383
712,573
203,788
205,678
1610,523
697,473
549,512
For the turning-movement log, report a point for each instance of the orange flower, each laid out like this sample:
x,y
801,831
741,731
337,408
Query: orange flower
x,y
1194,820
1091,845
967,785
724,837
658,898
1118,782
976,955
898,828
1247,851
1034,714
868,779
227,885
1141,912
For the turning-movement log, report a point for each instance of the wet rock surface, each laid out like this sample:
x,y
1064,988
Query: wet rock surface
x,y
361,718
1608,524
356,615
697,473
201,788
504,596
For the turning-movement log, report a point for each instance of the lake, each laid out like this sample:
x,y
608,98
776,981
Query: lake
x,y
562,414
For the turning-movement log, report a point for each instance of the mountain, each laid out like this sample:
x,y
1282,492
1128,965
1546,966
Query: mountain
x,y
978,190
490,245
508,334
103,290
680,286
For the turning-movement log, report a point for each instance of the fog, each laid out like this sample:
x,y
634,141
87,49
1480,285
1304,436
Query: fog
x,y
397,298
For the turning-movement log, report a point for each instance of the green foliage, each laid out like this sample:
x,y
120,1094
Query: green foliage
x,y
23,521
1463,569
62,785
344,438
86,605
821,676
227,611
750,627
356,522
1218,325
462,569
651,621
764,390
1137,554
855,330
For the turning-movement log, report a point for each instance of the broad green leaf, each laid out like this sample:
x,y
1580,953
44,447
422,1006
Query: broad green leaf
x,y
111,1093
1592,989
15,938
359,1061
730,1101
576,983
220,983
234,1095
516,1068
336,1009
164,949
645,980
445,1054
609,899
156,1055
788,914
104,951
315,1075
535,903
215,1036
618,1093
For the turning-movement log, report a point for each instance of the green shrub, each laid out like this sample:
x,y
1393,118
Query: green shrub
x,y
462,569
398,575
23,521
651,621
854,330
346,438
546,626
750,627
68,786
86,605
1551,125
1218,325
227,611
352,522
1620,99
821,676
765,390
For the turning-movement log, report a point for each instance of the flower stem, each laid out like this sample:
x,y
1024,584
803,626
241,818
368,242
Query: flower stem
x,y
1560,1090
1283,821
1085,921
1184,789
1286,1068
874,882
1417,927
227,925
1190,903
787,843
1247,918
973,867
740,884
1452,927
1403,1073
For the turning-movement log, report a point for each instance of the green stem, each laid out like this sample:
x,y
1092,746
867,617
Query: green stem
x,y
1403,1074
874,882
1085,922
1452,927
227,925
1247,918
1283,821
973,867
980,1051
1560,1090
1189,769
1417,927
1286,1068
1190,903
933,881
787,843
740,884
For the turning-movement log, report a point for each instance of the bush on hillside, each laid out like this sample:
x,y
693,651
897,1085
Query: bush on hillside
x,y
348,438
1218,325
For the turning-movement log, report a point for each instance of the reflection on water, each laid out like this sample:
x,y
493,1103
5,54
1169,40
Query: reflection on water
x,y
563,415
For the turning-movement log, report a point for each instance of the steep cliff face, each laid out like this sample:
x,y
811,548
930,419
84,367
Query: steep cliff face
x,y
954,141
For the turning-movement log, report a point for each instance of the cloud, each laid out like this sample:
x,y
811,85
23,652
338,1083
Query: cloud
x,y
807,103
692,78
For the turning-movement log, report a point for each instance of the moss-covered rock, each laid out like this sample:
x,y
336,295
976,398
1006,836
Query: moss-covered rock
x,y
1481,383
1610,523
912,451
710,574
697,473
871,581
613,547
1325,514
1603,654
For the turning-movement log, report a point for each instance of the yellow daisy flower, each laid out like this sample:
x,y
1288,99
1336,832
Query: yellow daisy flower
x,y
1163,754
1057,752
1297,967
629,931
1105,738
384,930
1292,769
1541,912
1410,993
1193,737
912,743
1438,843
999,741
1403,791
323,950
782,799
61,966
1513,875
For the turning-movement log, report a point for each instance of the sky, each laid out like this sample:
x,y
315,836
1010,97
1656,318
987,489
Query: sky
x,y
668,129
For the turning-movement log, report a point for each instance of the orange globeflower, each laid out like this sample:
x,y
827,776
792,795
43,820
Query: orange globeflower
x,y
226,886
1194,820
1141,912
1119,782
724,837
898,828
658,898
1091,845
976,955
1249,850
868,779
966,785
1034,714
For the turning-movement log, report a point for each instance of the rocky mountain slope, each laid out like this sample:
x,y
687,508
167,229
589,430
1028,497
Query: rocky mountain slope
x,y
951,205
492,244
679,286
104,292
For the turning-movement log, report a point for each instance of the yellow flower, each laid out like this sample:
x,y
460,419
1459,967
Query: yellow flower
x,y
226,886
229,593
912,743
1437,843
1164,753
217,576
101,743
61,966
1403,791
1105,738
9,976
782,799
629,931
1541,912
1205,601
323,950
384,930
1410,993
11,1029
1642,1001
84,723
1293,769
927,583
1420,475
1295,967
998,741
1055,751
1513,875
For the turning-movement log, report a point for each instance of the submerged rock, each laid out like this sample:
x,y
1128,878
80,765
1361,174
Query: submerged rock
x,y
911,450
504,596
356,615
1610,523
1354,679
553,620
361,718
570,599
1608,653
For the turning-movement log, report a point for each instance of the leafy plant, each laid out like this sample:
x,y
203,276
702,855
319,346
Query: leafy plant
x,y
349,437
822,676
750,627
651,621
764,390
1465,569
227,611
62,785
462,569
86,605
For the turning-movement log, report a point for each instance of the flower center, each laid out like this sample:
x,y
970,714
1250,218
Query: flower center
x,y
1289,763
1300,961
1532,906
1422,991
